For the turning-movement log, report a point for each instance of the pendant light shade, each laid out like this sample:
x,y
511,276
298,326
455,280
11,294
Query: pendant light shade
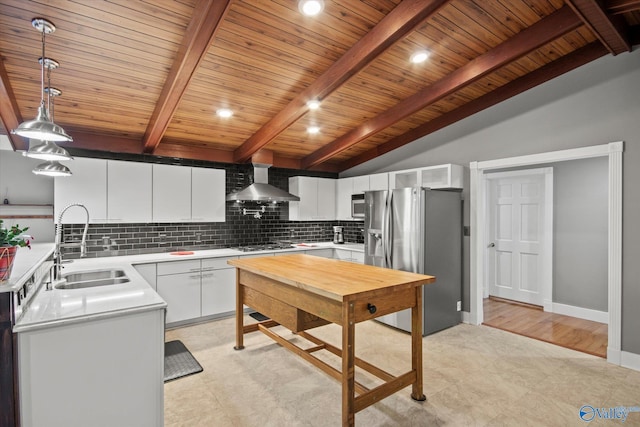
x,y
52,169
47,151
42,127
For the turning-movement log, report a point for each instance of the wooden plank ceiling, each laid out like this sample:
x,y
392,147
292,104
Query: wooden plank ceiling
x,y
148,76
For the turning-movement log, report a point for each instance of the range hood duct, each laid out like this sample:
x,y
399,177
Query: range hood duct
x,y
260,190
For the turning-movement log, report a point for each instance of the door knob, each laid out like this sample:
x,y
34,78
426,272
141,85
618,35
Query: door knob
x,y
372,308
491,245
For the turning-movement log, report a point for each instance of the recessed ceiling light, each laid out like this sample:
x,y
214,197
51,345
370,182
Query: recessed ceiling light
x,y
313,130
419,56
313,104
224,112
310,7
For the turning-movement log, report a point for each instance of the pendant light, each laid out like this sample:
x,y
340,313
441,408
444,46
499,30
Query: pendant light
x,y
48,150
52,168
42,127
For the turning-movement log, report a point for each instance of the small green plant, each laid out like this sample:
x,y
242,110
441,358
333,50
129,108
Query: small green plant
x,y
14,236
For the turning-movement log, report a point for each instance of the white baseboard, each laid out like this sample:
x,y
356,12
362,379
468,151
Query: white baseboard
x,y
579,312
466,316
630,360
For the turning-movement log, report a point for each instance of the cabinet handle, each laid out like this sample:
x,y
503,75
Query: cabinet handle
x,y
194,277
372,308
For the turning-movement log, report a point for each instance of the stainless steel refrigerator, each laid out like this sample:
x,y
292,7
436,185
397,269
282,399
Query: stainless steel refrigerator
x,y
419,230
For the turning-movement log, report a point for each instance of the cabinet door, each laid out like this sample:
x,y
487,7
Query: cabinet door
x,y
326,199
218,291
182,294
87,185
207,195
344,189
128,191
379,181
360,184
342,254
171,193
307,189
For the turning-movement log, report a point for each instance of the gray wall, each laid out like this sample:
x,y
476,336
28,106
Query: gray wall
x,y
595,104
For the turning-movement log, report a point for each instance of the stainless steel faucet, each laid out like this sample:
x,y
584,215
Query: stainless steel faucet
x,y
57,254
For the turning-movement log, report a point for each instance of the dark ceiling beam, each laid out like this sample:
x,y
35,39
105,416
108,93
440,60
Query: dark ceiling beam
x,y
9,111
612,30
617,7
550,71
398,23
529,39
199,35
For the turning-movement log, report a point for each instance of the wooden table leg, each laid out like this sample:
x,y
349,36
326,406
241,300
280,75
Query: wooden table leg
x,y
239,313
348,364
416,346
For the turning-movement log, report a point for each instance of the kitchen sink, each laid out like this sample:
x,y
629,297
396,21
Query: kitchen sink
x,y
90,279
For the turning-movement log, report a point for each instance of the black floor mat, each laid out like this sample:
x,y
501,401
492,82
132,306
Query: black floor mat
x,y
178,361
259,316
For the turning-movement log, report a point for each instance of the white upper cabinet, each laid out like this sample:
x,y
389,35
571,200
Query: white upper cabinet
x,y
185,194
88,186
379,181
208,195
344,190
128,191
317,198
171,193
360,184
441,176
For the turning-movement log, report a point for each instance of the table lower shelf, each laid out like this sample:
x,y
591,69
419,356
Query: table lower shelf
x,y
365,396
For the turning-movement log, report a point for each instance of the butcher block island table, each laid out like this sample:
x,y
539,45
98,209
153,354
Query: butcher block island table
x,y
301,292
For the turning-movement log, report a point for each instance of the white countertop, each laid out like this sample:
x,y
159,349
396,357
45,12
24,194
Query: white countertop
x,y
57,307
25,264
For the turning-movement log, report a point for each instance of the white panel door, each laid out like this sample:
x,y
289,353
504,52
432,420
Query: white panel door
x,y
128,191
207,195
87,185
326,203
171,193
517,231
344,190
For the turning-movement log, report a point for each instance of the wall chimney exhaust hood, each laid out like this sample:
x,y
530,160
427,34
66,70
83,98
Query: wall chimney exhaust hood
x,y
260,190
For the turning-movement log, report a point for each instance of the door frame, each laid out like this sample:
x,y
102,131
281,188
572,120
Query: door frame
x,y
613,151
546,244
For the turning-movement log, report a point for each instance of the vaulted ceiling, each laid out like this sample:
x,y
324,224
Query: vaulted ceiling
x,y
147,76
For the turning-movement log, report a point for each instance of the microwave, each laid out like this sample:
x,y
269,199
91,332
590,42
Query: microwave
x,y
357,206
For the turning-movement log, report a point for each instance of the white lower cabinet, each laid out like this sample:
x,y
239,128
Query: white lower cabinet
x,y
178,283
196,288
351,256
105,372
148,272
218,286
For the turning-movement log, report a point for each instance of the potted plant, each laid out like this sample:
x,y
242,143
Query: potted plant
x,y
10,240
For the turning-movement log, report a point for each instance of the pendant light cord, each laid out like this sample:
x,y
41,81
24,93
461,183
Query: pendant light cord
x,y
44,30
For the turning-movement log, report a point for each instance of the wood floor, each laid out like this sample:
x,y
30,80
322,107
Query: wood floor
x,y
531,321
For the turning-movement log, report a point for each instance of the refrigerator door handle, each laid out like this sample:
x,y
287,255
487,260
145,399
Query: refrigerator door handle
x,y
388,232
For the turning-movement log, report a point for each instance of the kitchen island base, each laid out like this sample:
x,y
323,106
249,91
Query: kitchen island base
x,y
301,292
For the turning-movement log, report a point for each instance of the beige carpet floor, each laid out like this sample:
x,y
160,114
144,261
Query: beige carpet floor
x,y
473,376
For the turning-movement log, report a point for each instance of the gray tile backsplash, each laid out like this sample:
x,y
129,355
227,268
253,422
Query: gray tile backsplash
x,y
237,230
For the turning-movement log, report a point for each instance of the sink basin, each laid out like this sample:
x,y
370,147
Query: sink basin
x,y
90,279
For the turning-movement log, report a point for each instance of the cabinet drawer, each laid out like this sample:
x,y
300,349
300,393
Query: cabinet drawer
x,y
176,267
216,263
